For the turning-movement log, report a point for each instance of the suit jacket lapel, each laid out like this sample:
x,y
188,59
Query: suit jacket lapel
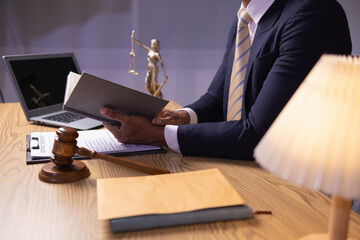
x,y
266,23
231,43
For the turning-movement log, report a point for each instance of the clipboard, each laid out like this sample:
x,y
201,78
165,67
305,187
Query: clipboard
x,y
31,160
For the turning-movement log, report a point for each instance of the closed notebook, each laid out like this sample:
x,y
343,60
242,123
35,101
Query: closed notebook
x,y
145,202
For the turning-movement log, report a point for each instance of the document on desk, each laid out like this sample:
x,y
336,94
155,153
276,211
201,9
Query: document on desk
x,y
40,145
136,203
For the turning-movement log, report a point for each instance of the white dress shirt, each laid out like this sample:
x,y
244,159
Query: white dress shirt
x,y
256,9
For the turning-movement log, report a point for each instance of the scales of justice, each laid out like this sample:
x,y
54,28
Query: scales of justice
x,y
153,57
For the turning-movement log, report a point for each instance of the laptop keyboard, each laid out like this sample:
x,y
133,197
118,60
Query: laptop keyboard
x,y
65,117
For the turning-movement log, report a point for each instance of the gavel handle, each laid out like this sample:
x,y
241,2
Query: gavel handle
x,y
142,167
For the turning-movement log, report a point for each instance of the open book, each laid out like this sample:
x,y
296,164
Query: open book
x,y
145,202
85,94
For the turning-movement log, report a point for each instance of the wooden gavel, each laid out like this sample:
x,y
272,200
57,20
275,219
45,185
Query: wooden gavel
x,y
63,168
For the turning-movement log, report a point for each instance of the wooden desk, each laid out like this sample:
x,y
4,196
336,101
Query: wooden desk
x,y
31,209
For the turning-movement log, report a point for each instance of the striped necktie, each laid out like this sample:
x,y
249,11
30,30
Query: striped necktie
x,y
242,52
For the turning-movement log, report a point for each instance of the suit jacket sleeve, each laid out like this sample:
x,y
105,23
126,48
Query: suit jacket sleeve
x,y
288,51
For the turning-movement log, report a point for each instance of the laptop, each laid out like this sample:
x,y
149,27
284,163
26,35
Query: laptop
x,y
40,81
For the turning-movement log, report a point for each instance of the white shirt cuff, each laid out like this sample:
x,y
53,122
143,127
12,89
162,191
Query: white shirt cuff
x,y
193,116
171,139
170,131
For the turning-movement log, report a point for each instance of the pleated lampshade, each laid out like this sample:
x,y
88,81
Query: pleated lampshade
x,y
315,141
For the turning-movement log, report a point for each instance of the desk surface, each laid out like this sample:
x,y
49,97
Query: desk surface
x,y
31,209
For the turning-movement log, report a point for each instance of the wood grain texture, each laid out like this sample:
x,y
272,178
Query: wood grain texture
x,y
31,209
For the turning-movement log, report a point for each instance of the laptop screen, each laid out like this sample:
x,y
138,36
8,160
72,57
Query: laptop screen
x,y
42,81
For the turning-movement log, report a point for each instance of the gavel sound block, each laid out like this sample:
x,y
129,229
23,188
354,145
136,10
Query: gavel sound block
x,y
63,169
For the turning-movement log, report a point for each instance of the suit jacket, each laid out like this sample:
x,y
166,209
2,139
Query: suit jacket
x,y
290,38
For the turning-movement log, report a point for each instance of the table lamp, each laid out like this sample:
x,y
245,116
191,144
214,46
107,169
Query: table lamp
x,y
315,140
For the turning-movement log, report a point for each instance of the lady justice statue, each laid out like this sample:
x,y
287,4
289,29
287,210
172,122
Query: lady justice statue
x,y
153,57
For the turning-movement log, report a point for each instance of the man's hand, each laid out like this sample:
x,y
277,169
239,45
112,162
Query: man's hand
x,y
171,117
134,129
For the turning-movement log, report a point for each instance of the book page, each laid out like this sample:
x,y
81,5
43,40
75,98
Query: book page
x,y
72,80
101,141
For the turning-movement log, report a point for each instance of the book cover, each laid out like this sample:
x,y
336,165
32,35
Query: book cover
x,y
87,94
145,202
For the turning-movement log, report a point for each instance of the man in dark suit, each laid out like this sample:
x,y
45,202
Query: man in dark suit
x,y
288,37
